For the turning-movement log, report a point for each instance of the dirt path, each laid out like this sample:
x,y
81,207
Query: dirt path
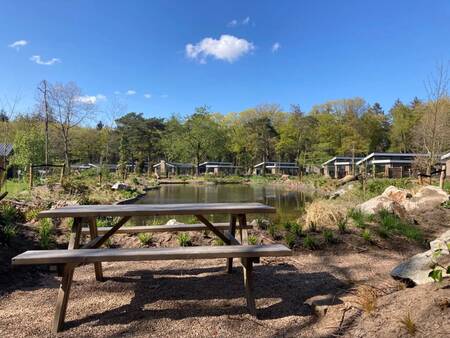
x,y
196,298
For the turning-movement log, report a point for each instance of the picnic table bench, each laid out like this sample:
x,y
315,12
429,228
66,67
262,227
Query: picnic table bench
x,y
92,253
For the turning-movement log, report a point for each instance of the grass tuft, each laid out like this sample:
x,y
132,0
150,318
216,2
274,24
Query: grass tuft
x,y
184,239
408,324
145,238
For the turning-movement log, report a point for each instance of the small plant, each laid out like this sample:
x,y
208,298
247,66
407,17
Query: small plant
x,y
31,214
218,241
366,299
329,236
145,238
290,239
184,239
342,225
409,324
296,229
392,224
273,231
312,227
45,233
358,217
8,232
437,269
253,240
367,235
109,243
309,242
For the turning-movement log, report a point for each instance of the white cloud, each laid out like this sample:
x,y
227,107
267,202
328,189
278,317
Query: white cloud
x,y
227,47
130,92
90,99
235,22
148,96
87,99
164,96
275,47
37,59
18,44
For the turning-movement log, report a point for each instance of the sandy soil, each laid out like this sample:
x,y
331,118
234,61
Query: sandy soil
x,y
198,299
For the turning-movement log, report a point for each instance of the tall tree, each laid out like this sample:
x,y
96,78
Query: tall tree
x,y
404,118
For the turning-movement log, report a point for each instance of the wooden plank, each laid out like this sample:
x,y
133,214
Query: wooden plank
x,y
100,240
242,229
66,281
232,232
247,266
162,228
93,233
149,254
211,227
156,210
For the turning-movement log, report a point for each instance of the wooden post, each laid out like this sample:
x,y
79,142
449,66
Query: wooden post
x,y
232,230
420,179
442,177
30,177
94,233
247,267
61,175
66,282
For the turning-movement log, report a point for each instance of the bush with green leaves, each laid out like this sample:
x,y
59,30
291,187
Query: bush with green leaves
x,y
184,239
329,237
45,233
9,215
367,235
31,214
290,239
437,269
390,224
359,217
218,241
342,225
309,242
253,240
145,238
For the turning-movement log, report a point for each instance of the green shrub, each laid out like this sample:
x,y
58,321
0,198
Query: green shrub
x,y
253,240
328,235
312,227
290,239
31,214
309,242
367,235
8,232
184,239
273,231
377,186
342,225
218,241
45,233
358,217
9,214
296,229
145,238
392,224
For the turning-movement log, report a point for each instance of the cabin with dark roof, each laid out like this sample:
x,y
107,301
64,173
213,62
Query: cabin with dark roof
x,y
340,166
6,151
445,159
391,165
276,168
166,169
218,168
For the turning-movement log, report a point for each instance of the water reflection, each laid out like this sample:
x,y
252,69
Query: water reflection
x,y
289,203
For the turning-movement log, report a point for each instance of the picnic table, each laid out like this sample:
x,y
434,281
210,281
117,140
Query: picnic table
x,y
91,253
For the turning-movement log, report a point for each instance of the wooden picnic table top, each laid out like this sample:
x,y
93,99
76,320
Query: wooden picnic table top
x,y
129,210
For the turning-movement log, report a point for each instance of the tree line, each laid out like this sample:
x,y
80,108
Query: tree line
x,y
61,128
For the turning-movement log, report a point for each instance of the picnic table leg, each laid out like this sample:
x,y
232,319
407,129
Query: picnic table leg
x,y
94,233
66,282
232,230
243,234
247,269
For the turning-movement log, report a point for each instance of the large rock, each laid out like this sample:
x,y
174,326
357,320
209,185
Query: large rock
x,y
427,198
120,186
403,203
415,270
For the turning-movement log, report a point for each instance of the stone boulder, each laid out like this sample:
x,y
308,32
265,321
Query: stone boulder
x,y
172,221
120,186
378,203
396,194
415,270
427,198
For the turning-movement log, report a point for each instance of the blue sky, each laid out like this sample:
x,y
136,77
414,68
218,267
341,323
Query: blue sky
x,y
223,54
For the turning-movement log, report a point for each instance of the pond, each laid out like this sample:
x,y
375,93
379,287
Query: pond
x,y
289,203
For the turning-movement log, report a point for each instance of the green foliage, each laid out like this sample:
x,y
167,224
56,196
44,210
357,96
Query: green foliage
x,y
290,239
8,232
390,223
252,240
329,237
28,147
359,217
31,214
342,225
145,238
45,233
184,239
218,241
367,235
309,242
273,231
377,186
293,227
437,269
